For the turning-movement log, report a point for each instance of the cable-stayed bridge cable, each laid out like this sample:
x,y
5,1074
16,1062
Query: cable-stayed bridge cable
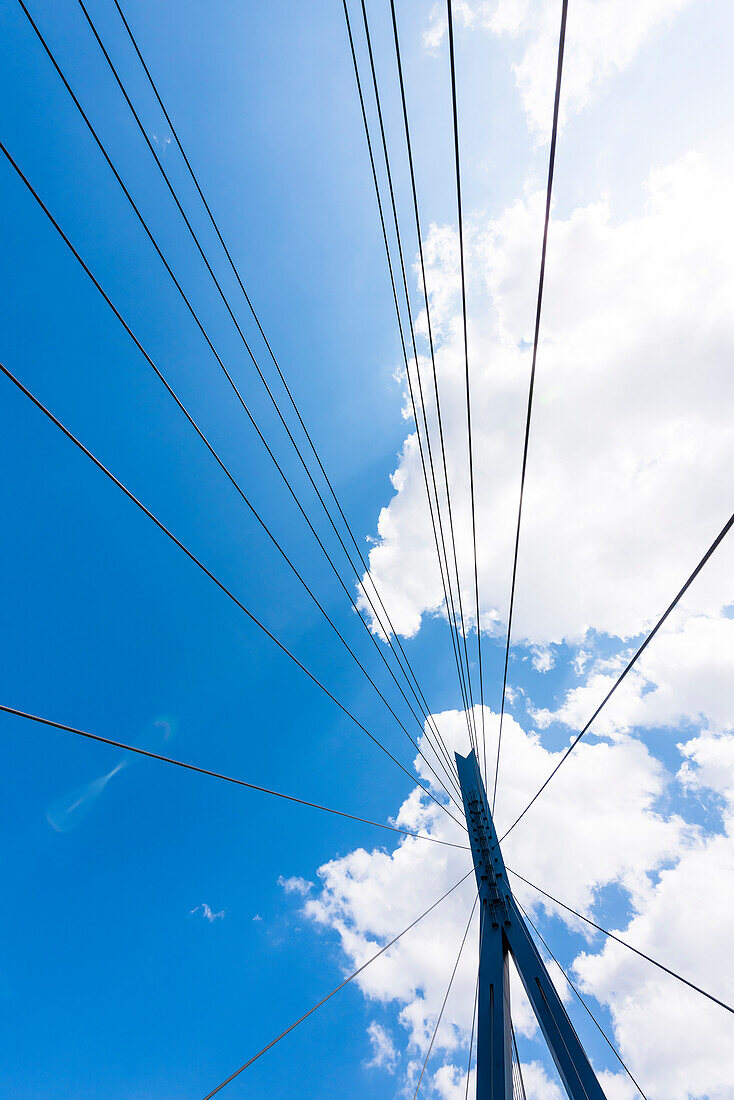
x,y
391,632
457,160
446,997
424,449
630,664
521,1094
596,1023
617,939
232,316
209,343
219,775
232,479
220,584
531,387
471,1036
414,192
335,990
475,1013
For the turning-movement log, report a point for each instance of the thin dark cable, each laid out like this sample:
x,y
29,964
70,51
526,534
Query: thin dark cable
x,y
446,583
466,363
420,697
719,538
189,554
438,542
475,1016
446,997
421,403
228,376
518,1085
531,388
245,343
443,562
335,990
523,1095
225,469
611,935
216,355
419,235
598,1026
471,1037
218,775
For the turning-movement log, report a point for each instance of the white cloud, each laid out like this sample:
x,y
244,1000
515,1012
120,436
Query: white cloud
x,y
614,788
295,885
497,16
384,1054
603,37
580,660
631,466
710,764
542,658
449,1082
366,897
207,912
617,1086
676,1042
538,1084
631,474
683,679
673,1043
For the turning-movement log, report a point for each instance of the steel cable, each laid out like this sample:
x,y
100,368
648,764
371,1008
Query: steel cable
x,y
218,775
388,633
419,235
335,990
596,1023
446,997
630,664
466,363
531,388
204,333
435,517
192,557
612,936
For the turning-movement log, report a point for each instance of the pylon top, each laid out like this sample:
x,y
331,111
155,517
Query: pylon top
x,y
489,866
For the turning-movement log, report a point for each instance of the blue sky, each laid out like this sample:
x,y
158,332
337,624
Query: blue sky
x,y
114,982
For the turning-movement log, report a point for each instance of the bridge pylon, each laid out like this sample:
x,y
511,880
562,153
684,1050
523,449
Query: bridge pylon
x,y
503,932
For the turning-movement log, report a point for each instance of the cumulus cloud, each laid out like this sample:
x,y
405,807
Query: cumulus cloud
x,y
366,897
295,885
672,1040
631,467
603,37
631,475
675,1041
684,679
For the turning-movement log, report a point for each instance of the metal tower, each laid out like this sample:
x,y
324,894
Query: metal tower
x,y
503,932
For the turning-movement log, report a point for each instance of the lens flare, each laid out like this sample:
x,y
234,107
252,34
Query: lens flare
x,y
69,811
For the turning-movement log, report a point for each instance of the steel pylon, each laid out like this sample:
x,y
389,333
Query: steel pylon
x,y
503,932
